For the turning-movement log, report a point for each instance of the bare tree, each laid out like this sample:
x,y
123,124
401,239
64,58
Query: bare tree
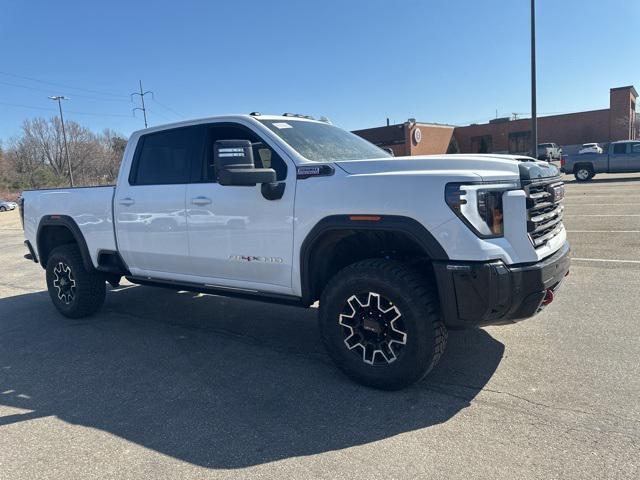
x,y
36,158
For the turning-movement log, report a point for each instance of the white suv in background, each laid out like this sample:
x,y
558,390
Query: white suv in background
x,y
590,148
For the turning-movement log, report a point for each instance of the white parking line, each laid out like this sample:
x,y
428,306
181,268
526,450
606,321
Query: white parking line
x,y
604,215
603,231
604,195
599,204
604,260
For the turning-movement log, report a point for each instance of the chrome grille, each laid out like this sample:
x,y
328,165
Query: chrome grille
x,y
544,211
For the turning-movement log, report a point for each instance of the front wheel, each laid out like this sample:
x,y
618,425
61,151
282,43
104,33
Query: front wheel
x,y
75,291
380,323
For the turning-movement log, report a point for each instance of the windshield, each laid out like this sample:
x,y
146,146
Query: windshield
x,y
321,142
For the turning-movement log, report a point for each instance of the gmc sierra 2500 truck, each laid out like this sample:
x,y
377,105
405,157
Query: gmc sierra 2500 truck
x,y
293,210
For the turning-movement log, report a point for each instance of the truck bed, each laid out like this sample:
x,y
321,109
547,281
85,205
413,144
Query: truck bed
x,y
600,161
90,207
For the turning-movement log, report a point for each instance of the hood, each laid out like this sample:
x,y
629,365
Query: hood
x,y
489,167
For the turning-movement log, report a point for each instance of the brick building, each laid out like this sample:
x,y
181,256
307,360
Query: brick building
x,y
412,138
504,135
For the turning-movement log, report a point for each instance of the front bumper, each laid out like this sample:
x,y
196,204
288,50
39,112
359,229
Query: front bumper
x,y
476,294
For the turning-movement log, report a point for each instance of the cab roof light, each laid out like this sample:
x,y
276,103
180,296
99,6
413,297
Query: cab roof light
x,y
365,218
297,115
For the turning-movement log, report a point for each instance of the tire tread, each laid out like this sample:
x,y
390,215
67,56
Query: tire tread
x,y
91,288
422,292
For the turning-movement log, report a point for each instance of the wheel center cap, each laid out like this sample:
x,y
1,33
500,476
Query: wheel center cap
x,y
372,325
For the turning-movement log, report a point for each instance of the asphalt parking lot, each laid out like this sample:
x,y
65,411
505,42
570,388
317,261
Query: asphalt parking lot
x,y
177,385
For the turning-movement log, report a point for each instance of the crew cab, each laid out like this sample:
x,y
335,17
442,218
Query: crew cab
x,y
621,157
293,210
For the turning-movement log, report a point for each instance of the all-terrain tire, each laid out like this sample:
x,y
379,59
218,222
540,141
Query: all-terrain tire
x,y
75,291
404,291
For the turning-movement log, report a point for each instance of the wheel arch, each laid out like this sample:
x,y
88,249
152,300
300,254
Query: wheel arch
x,y
582,164
318,252
56,230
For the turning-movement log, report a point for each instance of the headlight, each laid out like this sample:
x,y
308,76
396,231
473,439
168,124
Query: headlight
x,y
479,206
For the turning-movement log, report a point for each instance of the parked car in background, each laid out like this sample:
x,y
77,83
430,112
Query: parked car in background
x,y
622,157
590,148
549,151
5,206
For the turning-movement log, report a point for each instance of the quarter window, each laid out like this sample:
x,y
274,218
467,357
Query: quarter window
x,y
166,157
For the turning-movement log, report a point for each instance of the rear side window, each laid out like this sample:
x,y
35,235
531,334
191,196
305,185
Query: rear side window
x,y
166,157
620,148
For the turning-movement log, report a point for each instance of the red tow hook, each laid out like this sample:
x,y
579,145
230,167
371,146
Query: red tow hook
x,y
548,297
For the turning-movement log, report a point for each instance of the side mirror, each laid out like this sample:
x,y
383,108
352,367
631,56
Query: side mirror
x,y
234,164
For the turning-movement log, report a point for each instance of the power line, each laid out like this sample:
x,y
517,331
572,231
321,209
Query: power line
x,y
96,114
168,108
161,115
49,91
115,97
62,85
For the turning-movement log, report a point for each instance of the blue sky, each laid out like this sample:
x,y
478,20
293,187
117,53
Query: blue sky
x,y
355,61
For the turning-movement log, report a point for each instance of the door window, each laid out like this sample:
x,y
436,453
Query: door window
x,y
166,157
619,148
263,155
635,148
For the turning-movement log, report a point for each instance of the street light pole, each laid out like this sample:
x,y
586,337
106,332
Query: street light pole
x,y
59,99
534,113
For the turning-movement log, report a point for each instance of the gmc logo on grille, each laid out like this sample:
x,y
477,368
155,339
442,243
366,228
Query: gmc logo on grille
x,y
557,191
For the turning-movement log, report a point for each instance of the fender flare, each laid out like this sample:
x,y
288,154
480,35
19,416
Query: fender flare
x,y
395,223
71,225
587,164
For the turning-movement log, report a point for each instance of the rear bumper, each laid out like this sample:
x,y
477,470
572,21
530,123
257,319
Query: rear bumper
x,y
476,294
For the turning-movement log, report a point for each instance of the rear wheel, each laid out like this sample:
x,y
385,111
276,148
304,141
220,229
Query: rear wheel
x,y
3,208
583,173
380,323
75,291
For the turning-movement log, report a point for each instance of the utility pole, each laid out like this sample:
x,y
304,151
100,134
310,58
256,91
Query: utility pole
x,y
534,113
59,99
141,94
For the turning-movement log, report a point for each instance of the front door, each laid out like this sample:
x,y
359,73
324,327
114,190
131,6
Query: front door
x,y
237,237
151,226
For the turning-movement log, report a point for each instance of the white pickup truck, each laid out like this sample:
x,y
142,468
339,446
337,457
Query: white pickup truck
x,y
289,209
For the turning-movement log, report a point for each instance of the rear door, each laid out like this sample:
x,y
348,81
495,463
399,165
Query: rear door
x,y
238,237
149,208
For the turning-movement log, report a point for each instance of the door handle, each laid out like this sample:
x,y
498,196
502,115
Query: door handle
x,y
201,201
127,201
